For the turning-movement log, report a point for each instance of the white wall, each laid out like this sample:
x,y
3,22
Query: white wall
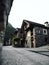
x,y
28,38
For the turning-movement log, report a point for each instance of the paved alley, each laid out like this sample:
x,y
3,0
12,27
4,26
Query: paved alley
x,y
21,56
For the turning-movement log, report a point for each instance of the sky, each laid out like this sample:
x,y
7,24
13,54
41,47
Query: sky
x,y
32,10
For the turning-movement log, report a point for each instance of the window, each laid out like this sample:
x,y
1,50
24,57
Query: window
x,y
45,31
37,31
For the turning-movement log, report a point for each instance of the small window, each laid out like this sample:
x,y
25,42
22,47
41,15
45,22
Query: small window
x,y
45,31
38,31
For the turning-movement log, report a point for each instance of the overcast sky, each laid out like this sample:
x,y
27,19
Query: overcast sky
x,y
32,10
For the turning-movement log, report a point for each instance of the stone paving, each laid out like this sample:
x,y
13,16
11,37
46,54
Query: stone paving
x,y
44,50
20,56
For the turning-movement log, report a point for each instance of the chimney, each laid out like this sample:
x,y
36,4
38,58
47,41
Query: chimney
x,y
46,24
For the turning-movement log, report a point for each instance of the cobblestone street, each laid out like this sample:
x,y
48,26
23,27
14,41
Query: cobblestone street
x,y
21,56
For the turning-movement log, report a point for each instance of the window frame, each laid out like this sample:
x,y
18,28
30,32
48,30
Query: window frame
x,y
45,33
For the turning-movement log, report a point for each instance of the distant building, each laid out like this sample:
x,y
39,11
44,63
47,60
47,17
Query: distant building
x,y
16,38
34,34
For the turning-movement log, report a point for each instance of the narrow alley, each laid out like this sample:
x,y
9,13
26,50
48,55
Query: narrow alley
x,y
22,56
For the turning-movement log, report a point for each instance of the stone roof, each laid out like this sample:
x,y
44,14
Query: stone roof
x,y
36,24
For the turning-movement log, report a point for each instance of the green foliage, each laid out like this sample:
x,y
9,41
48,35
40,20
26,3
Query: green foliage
x,y
9,31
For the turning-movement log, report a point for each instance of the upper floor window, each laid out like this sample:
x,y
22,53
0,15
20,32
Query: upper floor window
x,y
45,31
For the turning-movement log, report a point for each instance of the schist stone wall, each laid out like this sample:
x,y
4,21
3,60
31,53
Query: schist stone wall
x,y
48,36
41,36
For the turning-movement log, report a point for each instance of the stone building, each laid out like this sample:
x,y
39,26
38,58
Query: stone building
x,y
34,34
16,38
5,7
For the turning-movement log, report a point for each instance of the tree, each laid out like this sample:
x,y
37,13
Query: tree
x,y
9,32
